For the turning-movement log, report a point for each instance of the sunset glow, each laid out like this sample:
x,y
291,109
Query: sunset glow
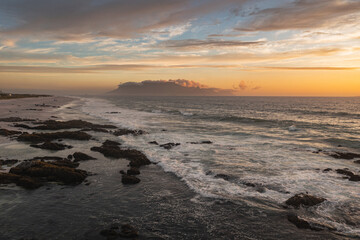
x,y
284,47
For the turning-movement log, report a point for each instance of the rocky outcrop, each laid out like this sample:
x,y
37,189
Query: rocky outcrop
x,y
128,179
305,200
351,176
6,133
46,137
169,146
79,156
23,181
301,223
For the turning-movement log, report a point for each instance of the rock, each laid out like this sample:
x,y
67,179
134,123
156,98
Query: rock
x,y
127,179
223,176
122,172
301,223
352,177
168,146
154,142
65,163
15,119
8,162
51,146
344,155
121,132
59,125
6,133
327,170
303,199
128,231
79,156
46,137
202,142
357,161
112,150
50,172
133,171
22,181
70,157
46,158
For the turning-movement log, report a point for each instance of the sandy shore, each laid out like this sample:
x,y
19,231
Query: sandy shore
x,y
159,207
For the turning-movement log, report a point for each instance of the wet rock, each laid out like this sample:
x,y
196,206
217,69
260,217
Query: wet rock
x,y
65,163
327,170
303,199
8,162
60,125
121,132
154,142
46,158
6,133
128,179
169,146
49,172
357,161
15,119
70,157
22,181
133,171
79,156
344,155
351,176
46,137
223,176
301,223
112,150
202,142
128,231
51,146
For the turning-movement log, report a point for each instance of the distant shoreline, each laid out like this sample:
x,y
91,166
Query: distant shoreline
x,y
15,96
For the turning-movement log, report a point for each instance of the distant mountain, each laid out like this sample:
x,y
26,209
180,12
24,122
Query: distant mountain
x,y
178,87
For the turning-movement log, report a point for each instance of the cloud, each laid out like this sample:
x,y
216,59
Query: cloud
x,y
190,44
302,14
243,85
178,87
313,68
85,19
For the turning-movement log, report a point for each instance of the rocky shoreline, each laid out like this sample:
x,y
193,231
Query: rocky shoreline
x,y
44,171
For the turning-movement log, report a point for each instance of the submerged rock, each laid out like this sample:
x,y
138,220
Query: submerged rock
x,y
303,199
128,179
121,132
154,142
51,146
169,146
46,137
79,156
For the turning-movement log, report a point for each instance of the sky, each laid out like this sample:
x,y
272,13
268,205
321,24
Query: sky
x,y
242,47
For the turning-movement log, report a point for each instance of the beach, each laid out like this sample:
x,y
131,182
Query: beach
x,y
172,200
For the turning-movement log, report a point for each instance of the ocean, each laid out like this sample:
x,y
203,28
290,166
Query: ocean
x,y
264,149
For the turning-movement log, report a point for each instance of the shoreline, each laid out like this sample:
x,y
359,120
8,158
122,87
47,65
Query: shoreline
x,y
160,206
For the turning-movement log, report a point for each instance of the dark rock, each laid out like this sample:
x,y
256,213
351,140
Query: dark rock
x,y
66,163
133,171
168,146
357,161
122,172
154,142
59,125
202,142
45,137
23,181
301,223
51,146
303,199
112,150
46,158
127,179
327,170
8,162
15,119
50,172
223,176
352,177
344,155
79,156
70,157
121,132
5,132
128,231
